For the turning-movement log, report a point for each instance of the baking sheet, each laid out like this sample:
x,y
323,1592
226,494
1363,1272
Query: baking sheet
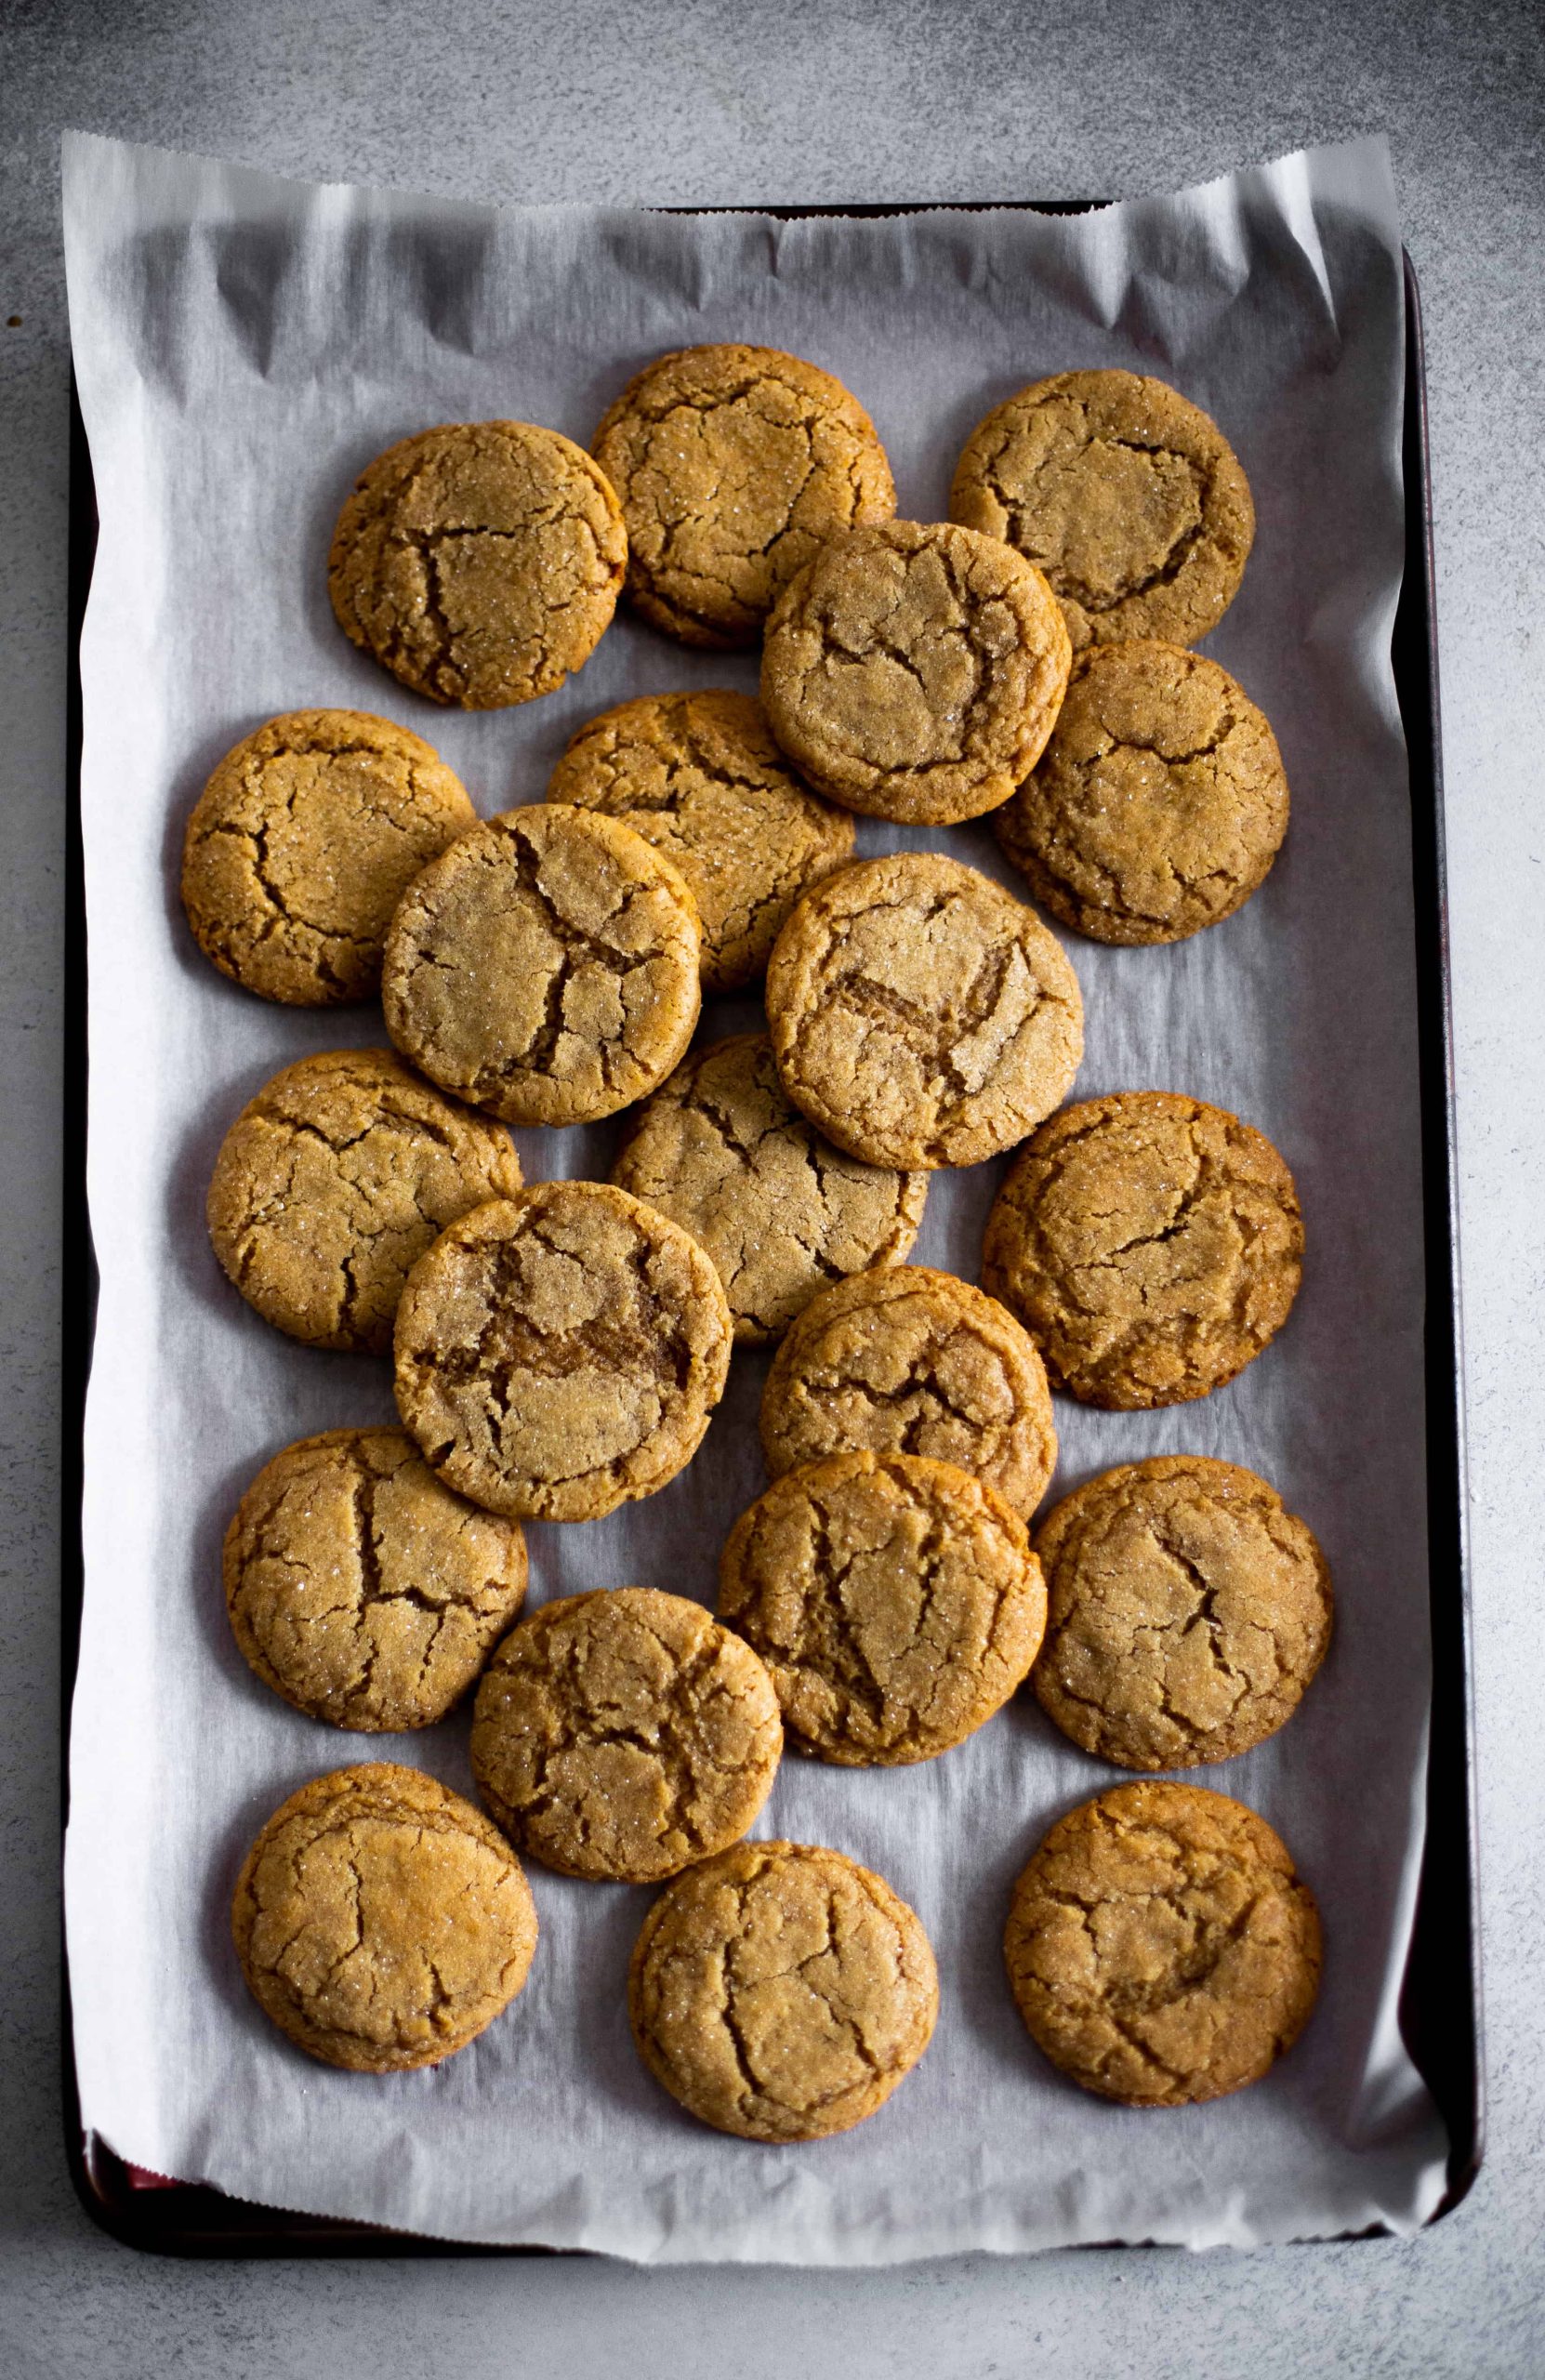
x,y
242,346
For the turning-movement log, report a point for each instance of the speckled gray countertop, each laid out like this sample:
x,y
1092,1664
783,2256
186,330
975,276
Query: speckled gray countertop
x,y
720,102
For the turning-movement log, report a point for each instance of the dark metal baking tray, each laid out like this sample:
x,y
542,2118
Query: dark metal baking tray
x,y
1440,2001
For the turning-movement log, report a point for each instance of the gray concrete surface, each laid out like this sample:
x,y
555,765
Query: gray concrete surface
x,y
720,100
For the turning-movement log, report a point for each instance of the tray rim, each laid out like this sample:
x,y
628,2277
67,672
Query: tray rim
x,y
1442,1979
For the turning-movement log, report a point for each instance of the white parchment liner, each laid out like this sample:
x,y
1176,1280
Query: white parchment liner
x,y
244,346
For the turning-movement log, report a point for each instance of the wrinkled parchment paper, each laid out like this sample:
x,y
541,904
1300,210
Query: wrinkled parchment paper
x,y
244,346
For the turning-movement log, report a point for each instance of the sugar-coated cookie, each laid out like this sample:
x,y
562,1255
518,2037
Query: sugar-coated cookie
x,y
781,1992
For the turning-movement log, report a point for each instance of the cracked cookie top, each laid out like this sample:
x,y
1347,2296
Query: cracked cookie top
x,y
334,1180
301,845
733,465
1151,1245
781,1211
624,1733
361,1588
914,671
920,1015
1161,1947
895,1600
699,777
480,562
1188,1611
560,1353
781,1992
1126,495
904,1360
1159,804
547,966
380,1921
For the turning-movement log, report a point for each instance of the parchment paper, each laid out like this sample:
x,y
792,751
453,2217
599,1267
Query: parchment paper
x,y
244,346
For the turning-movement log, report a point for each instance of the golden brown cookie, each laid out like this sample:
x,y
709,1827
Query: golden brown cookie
x,y
1161,1948
1151,1244
895,1600
544,967
334,1180
781,1992
920,1015
699,777
720,1151
1127,497
914,671
560,1352
362,1590
301,845
480,562
1159,804
624,1733
733,464
904,1360
1187,1613
380,1921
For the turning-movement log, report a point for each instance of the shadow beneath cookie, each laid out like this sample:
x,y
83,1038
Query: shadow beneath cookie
x,y
192,1260
226,1855
204,1550
590,1973
1036,1785
186,785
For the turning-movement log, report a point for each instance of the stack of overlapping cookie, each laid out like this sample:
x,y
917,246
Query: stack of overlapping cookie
x,y
560,1349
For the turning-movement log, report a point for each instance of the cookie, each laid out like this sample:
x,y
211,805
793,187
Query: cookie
x,y
623,1734
381,1922
781,1992
334,1180
733,464
914,671
301,845
1123,492
1159,804
781,1211
480,562
560,1353
904,1360
699,777
1161,1948
546,966
362,1590
1187,1613
1150,1244
920,1015
895,1601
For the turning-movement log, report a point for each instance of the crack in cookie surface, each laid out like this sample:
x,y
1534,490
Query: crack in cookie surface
x,y
894,1600
546,967
560,1353
380,1921
733,465
624,1733
1188,1611
333,1181
359,1588
901,1359
720,1150
781,1992
480,562
1123,492
301,844
914,671
1161,1948
1151,1244
920,1014
1159,804
700,777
